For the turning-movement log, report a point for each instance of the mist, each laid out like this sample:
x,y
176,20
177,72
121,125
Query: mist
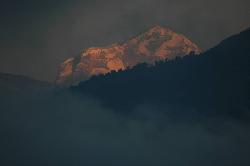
x,y
48,32
68,130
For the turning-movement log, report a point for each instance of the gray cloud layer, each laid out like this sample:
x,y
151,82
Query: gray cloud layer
x,y
37,36
66,130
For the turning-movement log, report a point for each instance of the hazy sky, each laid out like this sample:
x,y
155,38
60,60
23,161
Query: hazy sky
x,y
37,35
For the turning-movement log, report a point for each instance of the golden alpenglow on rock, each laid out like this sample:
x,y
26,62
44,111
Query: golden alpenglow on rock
x,y
158,43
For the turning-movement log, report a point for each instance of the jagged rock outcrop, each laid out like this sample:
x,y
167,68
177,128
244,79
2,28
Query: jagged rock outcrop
x,y
158,43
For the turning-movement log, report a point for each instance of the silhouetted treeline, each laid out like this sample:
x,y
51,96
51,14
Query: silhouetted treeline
x,y
40,127
217,81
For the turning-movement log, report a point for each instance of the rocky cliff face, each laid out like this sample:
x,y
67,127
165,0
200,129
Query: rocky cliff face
x,y
158,43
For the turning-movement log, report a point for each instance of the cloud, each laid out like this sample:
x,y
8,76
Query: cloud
x,y
47,32
65,130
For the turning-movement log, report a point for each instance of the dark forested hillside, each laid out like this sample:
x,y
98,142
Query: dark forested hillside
x,y
216,81
189,111
21,84
20,92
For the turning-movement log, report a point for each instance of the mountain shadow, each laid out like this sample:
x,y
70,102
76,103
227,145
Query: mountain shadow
x,y
22,84
40,127
18,92
214,82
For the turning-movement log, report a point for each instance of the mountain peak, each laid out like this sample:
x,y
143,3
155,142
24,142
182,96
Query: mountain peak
x,y
157,43
157,31
159,28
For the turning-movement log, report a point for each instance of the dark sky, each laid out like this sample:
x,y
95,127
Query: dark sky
x,y
37,35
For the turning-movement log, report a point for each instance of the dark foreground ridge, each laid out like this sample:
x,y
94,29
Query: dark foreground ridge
x,y
216,81
24,84
190,111
157,43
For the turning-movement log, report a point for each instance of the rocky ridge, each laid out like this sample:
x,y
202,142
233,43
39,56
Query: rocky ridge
x,y
158,43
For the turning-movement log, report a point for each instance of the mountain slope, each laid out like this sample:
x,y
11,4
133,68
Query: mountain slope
x,y
21,84
66,129
158,43
216,81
